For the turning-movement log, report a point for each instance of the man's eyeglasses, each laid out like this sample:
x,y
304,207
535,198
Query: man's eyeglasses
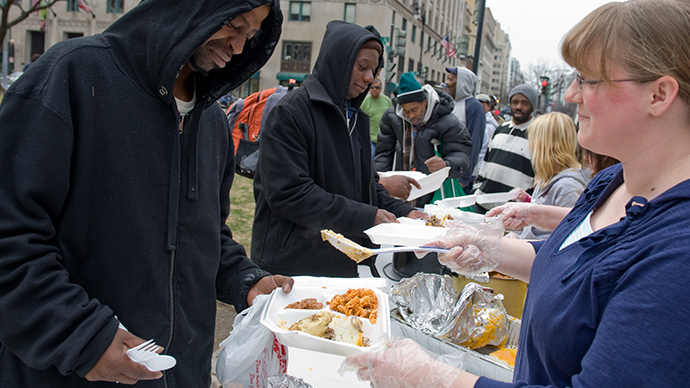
x,y
376,87
581,81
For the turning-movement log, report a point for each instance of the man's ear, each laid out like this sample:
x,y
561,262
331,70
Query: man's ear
x,y
664,92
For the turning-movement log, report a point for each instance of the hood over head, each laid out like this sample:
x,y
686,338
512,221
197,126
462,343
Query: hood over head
x,y
333,68
157,37
466,84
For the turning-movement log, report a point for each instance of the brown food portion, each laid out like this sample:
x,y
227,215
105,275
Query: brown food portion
x,y
438,222
498,275
361,302
306,304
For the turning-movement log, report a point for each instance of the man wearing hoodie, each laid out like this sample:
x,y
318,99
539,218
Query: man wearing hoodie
x,y
508,161
117,164
461,85
421,115
315,169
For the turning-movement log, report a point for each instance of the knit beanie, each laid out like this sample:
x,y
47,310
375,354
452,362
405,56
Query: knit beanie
x,y
527,91
409,89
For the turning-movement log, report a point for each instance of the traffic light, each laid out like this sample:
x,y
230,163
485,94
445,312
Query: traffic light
x,y
544,84
400,36
390,73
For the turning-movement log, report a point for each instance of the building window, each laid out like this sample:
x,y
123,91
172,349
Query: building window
x,y
72,35
296,57
349,12
414,32
115,6
404,25
72,6
410,65
300,11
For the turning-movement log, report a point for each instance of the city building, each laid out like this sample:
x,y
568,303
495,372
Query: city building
x,y
420,25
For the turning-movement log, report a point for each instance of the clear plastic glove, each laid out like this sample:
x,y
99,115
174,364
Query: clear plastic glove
x,y
473,249
402,364
522,195
514,216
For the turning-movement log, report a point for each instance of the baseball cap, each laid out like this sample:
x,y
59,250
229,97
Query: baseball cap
x,y
483,98
453,70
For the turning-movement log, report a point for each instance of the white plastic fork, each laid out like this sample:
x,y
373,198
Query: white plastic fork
x,y
145,354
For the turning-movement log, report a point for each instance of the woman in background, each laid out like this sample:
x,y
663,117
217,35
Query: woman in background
x,y
558,176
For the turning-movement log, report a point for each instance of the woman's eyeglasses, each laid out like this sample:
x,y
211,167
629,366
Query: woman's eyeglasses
x,y
581,81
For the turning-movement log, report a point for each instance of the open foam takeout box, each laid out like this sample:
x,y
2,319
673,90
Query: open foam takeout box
x,y
323,289
429,183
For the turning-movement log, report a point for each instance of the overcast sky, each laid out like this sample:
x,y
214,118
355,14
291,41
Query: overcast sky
x,y
536,27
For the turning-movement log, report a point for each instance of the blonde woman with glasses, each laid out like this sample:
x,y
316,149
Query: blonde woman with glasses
x,y
606,305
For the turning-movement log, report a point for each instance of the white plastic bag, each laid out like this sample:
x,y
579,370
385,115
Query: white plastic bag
x,y
252,352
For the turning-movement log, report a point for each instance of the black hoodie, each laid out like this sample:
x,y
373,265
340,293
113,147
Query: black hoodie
x,y
107,209
312,173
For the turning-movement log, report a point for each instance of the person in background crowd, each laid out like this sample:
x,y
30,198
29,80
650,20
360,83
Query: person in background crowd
x,y
491,125
617,265
461,85
117,164
508,163
315,169
495,112
407,129
34,58
516,216
559,177
374,105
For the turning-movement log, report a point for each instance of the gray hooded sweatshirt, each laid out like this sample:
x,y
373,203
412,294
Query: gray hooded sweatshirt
x,y
563,191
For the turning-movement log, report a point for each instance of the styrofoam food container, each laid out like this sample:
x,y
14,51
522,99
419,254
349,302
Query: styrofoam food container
x,y
429,183
469,200
403,234
497,197
275,312
464,201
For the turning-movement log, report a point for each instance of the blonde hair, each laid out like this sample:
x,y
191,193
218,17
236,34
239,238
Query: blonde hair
x,y
647,38
552,140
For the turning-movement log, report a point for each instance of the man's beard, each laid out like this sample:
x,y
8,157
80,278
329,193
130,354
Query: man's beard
x,y
526,118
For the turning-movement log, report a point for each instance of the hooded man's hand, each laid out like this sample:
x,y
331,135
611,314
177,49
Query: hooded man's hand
x,y
268,284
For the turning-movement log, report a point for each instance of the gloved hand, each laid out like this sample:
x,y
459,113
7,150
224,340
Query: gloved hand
x,y
515,216
473,250
522,195
402,364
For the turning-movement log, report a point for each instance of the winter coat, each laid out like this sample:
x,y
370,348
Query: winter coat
x,y
438,124
470,112
308,177
114,205
563,191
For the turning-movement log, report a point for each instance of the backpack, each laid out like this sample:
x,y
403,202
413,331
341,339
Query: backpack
x,y
246,117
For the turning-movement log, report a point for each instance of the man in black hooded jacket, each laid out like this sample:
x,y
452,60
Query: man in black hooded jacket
x,y
315,168
116,168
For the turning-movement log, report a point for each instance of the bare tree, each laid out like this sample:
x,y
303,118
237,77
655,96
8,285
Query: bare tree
x,y
560,76
25,10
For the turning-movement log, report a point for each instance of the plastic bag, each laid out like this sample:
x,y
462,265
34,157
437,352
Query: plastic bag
x,y
252,352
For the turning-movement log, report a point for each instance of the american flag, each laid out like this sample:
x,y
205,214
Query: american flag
x,y
450,48
83,6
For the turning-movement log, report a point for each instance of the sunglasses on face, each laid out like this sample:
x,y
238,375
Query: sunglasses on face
x,y
376,87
